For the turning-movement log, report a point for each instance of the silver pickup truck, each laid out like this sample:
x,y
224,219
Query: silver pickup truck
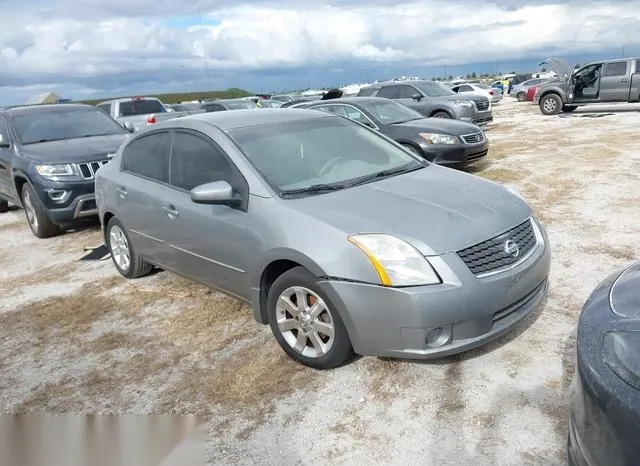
x,y
135,113
599,82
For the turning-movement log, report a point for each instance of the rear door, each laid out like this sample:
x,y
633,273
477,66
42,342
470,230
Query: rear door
x,y
208,242
6,157
615,82
143,182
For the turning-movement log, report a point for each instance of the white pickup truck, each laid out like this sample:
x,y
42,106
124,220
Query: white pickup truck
x,y
134,113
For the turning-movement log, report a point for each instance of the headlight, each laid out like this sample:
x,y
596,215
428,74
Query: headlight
x,y
463,103
55,170
433,138
622,355
397,262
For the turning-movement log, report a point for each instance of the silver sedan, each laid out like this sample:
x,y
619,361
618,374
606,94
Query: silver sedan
x,y
342,240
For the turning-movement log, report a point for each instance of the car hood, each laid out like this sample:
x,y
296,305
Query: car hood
x,y
437,209
440,125
73,150
558,65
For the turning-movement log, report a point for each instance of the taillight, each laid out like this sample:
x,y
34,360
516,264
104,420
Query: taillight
x,y
490,92
151,119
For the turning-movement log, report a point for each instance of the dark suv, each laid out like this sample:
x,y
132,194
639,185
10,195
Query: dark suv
x,y
49,155
433,99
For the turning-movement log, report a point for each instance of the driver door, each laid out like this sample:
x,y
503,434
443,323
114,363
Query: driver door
x,y
6,157
586,84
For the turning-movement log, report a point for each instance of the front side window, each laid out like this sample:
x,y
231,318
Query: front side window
x,y
195,161
148,157
319,151
56,125
352,113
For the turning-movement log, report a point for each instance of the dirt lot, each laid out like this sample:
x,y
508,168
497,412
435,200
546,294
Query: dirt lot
x,y
77,338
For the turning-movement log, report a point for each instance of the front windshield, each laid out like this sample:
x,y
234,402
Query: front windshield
x,y
43,126
434,89
240,104
318,151
390,112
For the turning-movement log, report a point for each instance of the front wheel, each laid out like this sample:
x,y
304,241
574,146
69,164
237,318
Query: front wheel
x,y
550,104
37,218
441,115
305,322
521,96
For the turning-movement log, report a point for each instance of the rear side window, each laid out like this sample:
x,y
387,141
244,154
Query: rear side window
x,y
618,68
106,108
196,161
140,107
213,108
466,88
148,157
389,92
366,91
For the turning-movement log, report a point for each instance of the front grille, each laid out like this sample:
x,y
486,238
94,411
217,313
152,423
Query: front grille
x,y
482,104
473,138
495,254
88,170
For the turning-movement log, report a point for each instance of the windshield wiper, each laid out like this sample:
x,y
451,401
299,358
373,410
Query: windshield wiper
x,y
314,189
384,174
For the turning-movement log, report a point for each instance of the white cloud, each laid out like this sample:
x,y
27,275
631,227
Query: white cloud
x,y
63,48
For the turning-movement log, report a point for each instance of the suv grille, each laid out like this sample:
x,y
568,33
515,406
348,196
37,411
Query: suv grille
x,y
88,170
482,103
492,255
473,138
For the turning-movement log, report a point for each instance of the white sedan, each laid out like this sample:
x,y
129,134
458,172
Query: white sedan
x,y
478,89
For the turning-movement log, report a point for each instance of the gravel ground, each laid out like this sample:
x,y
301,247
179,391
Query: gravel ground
x,y
78,339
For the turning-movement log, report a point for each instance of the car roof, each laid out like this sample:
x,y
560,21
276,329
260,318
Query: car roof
x,y
251,117
22,109
349,100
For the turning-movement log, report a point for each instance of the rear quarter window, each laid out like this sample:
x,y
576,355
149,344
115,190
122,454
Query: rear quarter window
x,y
366,91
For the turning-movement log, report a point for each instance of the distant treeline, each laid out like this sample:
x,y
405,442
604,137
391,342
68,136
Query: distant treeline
x,y
232,93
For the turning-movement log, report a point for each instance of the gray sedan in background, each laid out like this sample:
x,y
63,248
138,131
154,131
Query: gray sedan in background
x,y
342,240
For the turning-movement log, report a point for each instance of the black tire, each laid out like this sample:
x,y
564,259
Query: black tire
x,y
4,206
569,108
136,267
37,218
521,96
441,114
340,350
551,104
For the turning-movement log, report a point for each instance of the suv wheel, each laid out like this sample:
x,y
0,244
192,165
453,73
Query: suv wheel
x,y
306,323
37,218
441,115
123,256
551,104
4,206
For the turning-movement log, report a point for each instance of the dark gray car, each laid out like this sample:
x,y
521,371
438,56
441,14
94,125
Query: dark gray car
x,y
604,425
445,142
433,99
342,240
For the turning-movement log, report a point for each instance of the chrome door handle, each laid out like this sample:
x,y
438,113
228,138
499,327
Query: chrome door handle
x,y
624,80
170,211
123,192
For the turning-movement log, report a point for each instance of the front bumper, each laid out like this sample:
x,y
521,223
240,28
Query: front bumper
x,y
455,154
480,119
66,202
437,320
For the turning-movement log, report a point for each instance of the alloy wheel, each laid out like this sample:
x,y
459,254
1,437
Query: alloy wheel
x,y
30,210
119,248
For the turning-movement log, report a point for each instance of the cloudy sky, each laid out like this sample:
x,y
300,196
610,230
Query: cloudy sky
x,y
95,48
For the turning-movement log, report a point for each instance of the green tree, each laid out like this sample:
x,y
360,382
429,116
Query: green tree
x,y
474,75
434,79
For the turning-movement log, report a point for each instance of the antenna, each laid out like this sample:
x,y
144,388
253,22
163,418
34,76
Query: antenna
x,y
204,49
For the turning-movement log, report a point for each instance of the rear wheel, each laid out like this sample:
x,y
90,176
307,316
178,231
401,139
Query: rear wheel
x,y
305,322
123,256
521,96
4,206
37,217
551,104
569,108
441,115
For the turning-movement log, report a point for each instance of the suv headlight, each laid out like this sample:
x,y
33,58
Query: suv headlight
x,y
622,355
397,262
463,103
434,138
48,171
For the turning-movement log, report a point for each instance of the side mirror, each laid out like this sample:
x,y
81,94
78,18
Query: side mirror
x,y
4,142
129,126
216,192
416,97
